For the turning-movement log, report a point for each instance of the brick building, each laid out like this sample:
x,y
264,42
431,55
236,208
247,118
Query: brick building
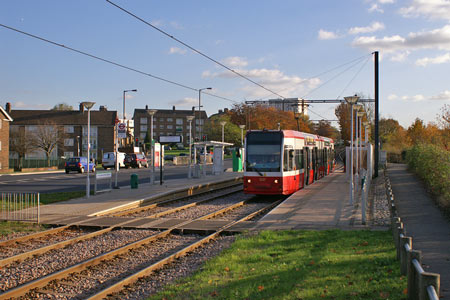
x,y
72,125
5,120
168,122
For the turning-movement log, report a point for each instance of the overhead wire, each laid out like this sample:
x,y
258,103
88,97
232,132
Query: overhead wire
x,y
112,62
194,49
351,80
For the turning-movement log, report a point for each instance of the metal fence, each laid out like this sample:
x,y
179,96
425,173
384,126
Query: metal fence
x,y
14,163
20,207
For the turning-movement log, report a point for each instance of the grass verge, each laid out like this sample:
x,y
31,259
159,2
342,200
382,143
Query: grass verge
x,y
48,198
7,227
304,265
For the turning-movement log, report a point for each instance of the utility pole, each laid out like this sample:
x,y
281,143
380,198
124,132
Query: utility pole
x,y
377,142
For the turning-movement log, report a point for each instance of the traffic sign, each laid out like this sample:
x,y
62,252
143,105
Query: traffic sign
x,y
122,130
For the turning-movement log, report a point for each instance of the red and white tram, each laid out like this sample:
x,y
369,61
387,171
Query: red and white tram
x,y
282,162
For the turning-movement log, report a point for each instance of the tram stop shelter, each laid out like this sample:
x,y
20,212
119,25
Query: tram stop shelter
x,y
200,160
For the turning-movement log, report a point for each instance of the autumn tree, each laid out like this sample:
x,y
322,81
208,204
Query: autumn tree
x,y
232,132
62,106
393,136
324,128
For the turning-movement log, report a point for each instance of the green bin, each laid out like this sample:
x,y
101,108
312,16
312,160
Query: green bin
x,y
237,160
134,181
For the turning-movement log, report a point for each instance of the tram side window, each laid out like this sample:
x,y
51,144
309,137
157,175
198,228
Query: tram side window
x,y
289,156
299,159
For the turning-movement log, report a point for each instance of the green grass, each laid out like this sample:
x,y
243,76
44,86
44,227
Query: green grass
x,y
48,198
296,265
7,227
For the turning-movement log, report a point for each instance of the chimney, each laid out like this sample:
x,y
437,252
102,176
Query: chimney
x,y
173,108
103,108
146,107
8,107
220,111
193,108
81,107
225,110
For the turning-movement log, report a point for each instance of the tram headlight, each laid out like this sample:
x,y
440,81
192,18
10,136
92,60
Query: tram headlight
x,y
275,181
249,181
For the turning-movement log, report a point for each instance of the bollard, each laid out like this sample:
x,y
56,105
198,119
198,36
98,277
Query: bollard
x,y
426,279
134,181
413,274
405,240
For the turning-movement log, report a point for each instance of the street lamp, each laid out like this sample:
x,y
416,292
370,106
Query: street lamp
x,y
78,145
126,91
199,114
242,134
352,100
360,115
88,105
190,118
151,113
297,117
223,130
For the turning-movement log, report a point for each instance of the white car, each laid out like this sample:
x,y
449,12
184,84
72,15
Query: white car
x,y
108,160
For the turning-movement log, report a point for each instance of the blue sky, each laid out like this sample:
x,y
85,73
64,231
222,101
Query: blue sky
x,y
290,47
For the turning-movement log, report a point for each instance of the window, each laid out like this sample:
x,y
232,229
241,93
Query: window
x,y
197,121
179,121
161,126
169,126
68,129
143,135
68,154
179,128
68,142
143,128
143,120
170,120
161,119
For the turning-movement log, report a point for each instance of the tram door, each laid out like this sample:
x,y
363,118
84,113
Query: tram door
x,y
307,163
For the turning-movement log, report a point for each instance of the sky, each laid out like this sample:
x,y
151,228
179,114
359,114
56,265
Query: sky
x,y
317,49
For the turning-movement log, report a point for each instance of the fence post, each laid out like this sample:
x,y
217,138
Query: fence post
x,y
405,240
413,274
38,208
426,279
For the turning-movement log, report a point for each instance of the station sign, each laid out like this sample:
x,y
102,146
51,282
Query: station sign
x,y
122,131
167,139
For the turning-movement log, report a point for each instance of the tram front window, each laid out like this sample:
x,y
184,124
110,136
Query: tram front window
x,y
263,152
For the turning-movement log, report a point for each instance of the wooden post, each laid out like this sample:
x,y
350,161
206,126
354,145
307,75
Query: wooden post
x,y
426,279
413,275
403,253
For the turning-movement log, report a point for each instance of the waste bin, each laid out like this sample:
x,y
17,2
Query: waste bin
x,y
134,181
237,160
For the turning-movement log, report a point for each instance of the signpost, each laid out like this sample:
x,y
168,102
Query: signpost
x,y
122,130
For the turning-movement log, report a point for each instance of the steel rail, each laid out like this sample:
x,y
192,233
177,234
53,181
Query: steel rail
x,y
153,205
34,235
117,287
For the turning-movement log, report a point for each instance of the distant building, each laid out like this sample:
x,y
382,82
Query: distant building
x,y
168,122
73,125
5,120
287,104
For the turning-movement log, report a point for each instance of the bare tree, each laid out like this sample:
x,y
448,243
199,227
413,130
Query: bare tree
x,y
48,137
20,143
62,106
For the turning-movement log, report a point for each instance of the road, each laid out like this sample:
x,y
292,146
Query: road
x,y
59,181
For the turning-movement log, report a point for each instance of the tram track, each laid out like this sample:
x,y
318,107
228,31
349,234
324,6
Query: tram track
x,y
46,286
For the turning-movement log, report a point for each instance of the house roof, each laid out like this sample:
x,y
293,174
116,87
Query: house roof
x,y
7,116
67,117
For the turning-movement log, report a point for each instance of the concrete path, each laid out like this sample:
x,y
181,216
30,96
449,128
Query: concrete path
x,y
322,205
424,222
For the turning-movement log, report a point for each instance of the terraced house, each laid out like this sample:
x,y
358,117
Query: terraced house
x,y
5,120
61,133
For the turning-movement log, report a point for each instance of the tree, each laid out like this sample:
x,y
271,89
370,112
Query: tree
x,y
62,106
47,137
20,143
213,129
324,128
417,132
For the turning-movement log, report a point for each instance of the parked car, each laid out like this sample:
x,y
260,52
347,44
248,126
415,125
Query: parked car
x,y
109,159
135,160
79,164
168,157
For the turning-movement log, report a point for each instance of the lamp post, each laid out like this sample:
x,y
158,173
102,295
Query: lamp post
x,y
190,118
78,145
352,100
126,91
223,130
242,134
279,126
360,116
88,105
151,113
199,113
297,117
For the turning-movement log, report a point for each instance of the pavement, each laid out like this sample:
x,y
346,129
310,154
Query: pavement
x,y
424,222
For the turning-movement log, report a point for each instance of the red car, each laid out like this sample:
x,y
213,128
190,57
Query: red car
x,y
135,160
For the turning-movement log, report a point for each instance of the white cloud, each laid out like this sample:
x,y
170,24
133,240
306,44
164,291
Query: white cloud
x,y
415,98
376,8
392,97
375,26
273,79
176,25
423,62
386,1
157,23
21,104
185,102
176,50
433,9
400,56
445,95
235,61
327,35
437,38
